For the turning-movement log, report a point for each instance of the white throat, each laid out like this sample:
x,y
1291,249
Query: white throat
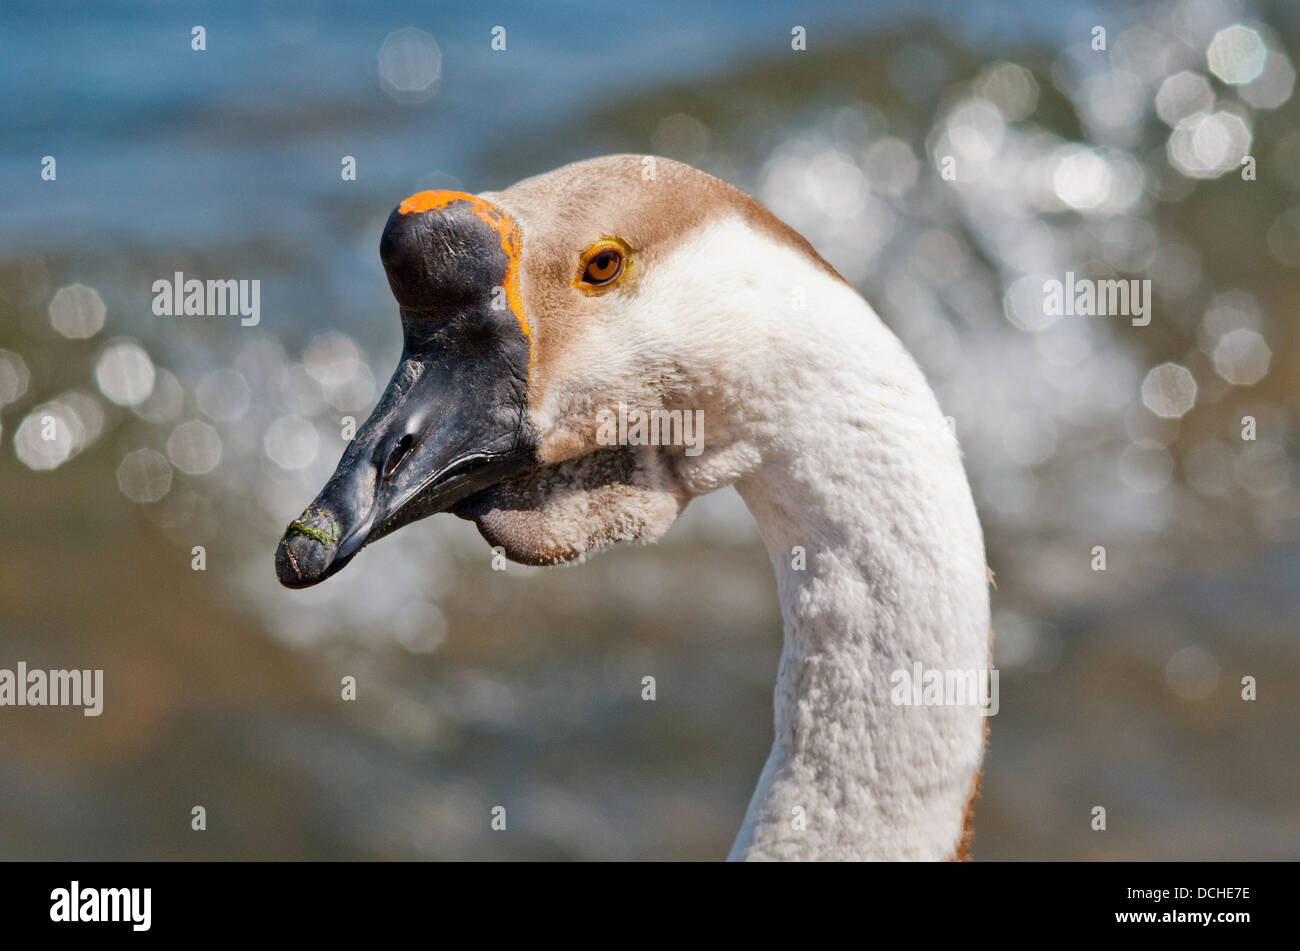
x,y
841,453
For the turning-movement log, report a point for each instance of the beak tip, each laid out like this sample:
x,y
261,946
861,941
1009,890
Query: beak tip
x,y
308,550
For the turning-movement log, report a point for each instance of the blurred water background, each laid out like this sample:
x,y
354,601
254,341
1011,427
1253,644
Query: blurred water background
x,y
521,688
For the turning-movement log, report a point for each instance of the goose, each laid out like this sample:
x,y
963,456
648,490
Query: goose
x,y
531,314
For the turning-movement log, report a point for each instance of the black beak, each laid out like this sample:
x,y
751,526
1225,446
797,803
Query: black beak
x,y
453,419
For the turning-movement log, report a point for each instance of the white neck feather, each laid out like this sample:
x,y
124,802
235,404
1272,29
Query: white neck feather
x,y
841,451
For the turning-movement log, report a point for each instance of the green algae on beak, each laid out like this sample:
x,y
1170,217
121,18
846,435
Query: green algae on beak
x,y
308,548
301,526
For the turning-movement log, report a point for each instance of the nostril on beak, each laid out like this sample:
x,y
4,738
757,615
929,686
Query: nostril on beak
x,y
399,453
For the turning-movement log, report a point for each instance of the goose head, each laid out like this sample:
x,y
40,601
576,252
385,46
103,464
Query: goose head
x,y
629,286
531,318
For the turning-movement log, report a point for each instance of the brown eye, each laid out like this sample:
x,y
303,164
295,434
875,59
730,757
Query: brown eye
x,y
605,265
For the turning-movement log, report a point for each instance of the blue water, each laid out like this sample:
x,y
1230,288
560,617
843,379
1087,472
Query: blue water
x,y
159,146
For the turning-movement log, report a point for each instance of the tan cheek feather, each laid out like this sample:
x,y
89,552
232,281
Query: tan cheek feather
x,y
565,444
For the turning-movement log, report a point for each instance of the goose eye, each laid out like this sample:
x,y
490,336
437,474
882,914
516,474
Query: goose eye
x,y
603,266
